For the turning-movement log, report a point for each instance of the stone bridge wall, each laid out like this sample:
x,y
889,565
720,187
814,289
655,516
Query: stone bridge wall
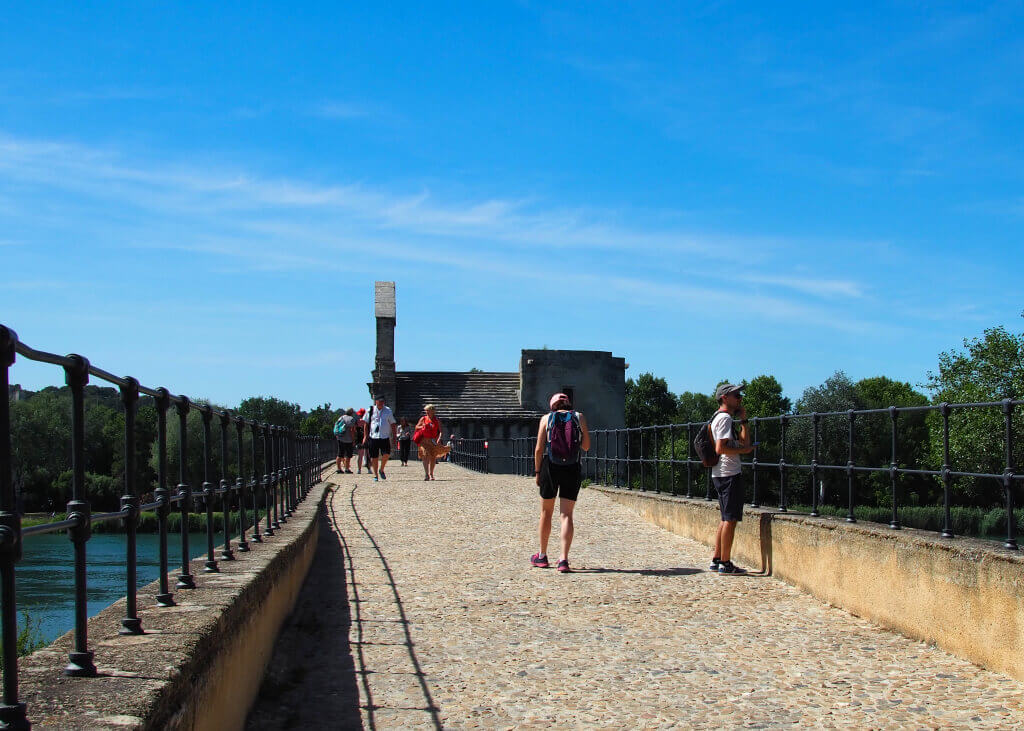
x,y
200,664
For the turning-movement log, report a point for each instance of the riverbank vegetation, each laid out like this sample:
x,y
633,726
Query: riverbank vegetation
x,y
41,445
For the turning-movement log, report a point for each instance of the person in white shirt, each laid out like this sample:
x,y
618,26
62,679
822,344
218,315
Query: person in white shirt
x,y
381,429
726,474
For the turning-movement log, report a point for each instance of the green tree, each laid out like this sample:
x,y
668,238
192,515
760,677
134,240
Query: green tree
x,y
763,397
874,438
648,401
694,407
271,410
320,422
990,368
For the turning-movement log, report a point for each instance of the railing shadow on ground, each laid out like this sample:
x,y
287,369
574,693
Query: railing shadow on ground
x,y
326,633
316,636
430,706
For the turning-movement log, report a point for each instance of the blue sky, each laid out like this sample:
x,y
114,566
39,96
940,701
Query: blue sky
x,y
202,194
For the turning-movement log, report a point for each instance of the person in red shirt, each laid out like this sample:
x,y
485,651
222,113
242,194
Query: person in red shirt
x,y
428,431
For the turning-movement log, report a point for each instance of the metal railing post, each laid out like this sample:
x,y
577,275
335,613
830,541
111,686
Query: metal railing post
x,y
894,523
754,503
782,464
163,496
850,517
268,483
226,553
243,544
947,522
206,411
1011,521
12,712
255,484
130,624
185,578
77,376
816,422
689,460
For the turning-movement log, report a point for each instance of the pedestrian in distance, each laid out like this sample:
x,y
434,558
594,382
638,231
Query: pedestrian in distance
x,y
360,440
562,437
344,434
404,440
426,436
726,474
379,432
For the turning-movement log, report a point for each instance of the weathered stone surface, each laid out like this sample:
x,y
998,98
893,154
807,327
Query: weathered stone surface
x,y
424,612
965,595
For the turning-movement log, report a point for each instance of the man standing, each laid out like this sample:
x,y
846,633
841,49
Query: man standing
x,y
381,428
344,432
562,436
726,474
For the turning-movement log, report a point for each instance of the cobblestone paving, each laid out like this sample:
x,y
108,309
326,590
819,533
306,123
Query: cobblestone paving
x,y
441,622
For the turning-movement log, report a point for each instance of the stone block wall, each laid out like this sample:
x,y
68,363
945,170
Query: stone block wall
x,y
596,378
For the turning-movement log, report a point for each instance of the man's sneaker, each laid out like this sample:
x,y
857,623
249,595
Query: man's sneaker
x,y
541,562
348,472
728,567
715,563
563,567
382,475
338,471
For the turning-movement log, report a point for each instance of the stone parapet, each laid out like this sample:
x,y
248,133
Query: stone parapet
x,y
965,596
199,664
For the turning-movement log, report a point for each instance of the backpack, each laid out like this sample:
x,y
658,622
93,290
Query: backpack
x,y
564,437
341,427
704,444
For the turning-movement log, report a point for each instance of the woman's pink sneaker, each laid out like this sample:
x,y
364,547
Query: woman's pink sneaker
x,y
563,567
540,562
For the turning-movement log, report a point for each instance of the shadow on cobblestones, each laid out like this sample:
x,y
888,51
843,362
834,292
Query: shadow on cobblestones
x,y
681,571
430,706
311,680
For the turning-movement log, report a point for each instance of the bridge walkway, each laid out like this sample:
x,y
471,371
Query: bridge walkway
x,y
422,611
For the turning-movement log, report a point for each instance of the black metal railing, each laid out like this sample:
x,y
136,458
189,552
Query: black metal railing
x,y
470,453
661,458
291,465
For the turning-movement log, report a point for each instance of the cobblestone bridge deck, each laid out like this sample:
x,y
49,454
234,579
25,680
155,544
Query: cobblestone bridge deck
x,y
422,611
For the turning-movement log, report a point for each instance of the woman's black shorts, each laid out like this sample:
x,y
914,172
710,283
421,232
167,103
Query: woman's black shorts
x,y
560,480
344,449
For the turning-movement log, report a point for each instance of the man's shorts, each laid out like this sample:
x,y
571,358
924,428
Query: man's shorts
x,y
730,497
344,449
560,480
379,447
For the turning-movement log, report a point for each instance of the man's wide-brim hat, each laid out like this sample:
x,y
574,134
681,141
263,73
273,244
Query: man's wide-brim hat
x,y
726,388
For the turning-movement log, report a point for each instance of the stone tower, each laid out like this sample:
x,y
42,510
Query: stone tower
x,y
384,366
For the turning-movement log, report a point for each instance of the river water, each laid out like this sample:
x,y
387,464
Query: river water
x,y
46,578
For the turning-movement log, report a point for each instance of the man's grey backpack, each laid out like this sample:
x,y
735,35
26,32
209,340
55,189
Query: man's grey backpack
x,y
704,444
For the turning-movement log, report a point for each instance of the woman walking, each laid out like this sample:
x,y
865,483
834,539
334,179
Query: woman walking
x,y
428,431
404,440
360,444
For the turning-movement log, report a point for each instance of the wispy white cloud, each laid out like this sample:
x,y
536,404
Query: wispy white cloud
x,y
290,225
820,287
